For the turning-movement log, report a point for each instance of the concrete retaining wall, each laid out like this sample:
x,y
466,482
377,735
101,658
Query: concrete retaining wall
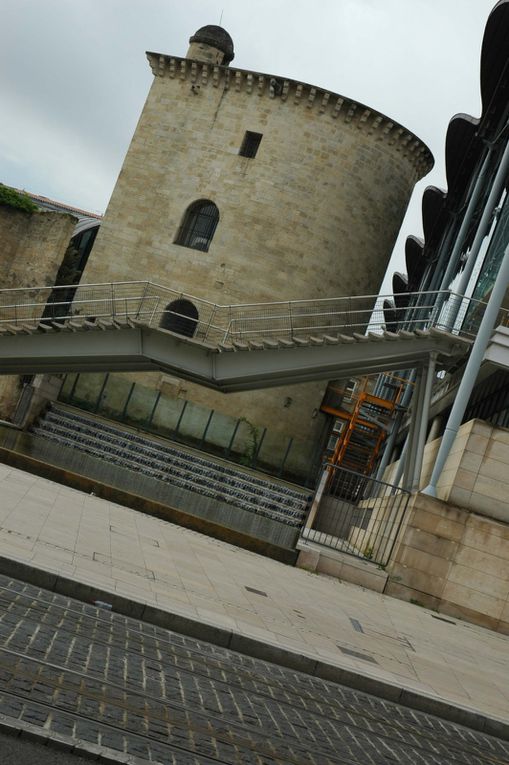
x,y
455,561
476,474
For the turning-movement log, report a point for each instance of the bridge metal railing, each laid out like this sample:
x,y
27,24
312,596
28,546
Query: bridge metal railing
x,y
154,305
356,514
142,301
360,314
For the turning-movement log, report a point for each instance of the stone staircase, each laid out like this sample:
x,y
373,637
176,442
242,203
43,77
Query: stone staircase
x,y
167,462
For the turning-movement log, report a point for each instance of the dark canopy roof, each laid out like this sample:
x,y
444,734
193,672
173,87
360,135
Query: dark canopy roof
x,y
495,67
217,37
415,261
466,137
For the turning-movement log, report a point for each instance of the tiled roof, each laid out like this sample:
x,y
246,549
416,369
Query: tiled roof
x,y
38,199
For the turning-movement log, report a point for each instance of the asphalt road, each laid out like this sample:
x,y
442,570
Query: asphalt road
x,y
84,672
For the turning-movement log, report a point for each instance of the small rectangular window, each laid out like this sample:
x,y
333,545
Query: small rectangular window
x,y
250,144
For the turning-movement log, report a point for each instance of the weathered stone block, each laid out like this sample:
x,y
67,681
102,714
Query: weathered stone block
x,y
444,527
483,561
430,543
479,581
423,561
474,600
308,559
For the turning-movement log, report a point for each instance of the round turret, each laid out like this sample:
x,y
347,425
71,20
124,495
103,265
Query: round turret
x,y
212,44
254,188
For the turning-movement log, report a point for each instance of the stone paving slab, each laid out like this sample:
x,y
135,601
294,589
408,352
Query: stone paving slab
x,y
89,547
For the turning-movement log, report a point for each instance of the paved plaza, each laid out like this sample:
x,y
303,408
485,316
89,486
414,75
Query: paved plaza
x,y
243,601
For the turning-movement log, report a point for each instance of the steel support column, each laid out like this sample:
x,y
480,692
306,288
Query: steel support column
x,y
482,230
435,429
470,374
389,444
453,261
396,480
317,499
427,388
413,431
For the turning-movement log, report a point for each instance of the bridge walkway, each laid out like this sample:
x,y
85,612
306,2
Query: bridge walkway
x,y
133,326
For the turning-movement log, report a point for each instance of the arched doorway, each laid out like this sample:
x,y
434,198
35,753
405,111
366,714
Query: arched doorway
x,y
180,316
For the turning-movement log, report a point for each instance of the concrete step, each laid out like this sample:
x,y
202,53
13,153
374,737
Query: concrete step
x,y
200,475
288,516
167,451
163,462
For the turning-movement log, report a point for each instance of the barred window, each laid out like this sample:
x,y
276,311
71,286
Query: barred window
x,y
250,144
198,226
180,316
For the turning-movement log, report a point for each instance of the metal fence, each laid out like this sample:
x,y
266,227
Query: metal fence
x,y
356,514
154,305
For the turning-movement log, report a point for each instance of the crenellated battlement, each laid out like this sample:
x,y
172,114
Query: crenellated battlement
x,y
322,101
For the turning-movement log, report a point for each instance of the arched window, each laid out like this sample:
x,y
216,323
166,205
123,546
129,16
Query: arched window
x,y
198,226
180,316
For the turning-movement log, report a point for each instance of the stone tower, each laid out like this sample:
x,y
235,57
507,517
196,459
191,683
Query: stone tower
x,y
243,187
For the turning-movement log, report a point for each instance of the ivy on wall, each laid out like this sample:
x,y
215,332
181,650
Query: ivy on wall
x,y
12,198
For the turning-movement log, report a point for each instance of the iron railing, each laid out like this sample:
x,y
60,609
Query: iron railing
x,y
356,514
151,304
361,314
144,302
199,226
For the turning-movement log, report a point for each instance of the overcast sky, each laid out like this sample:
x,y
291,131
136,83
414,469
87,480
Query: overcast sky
x,y
73,74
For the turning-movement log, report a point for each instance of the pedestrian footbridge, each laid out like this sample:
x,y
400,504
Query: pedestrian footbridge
x,y
133,326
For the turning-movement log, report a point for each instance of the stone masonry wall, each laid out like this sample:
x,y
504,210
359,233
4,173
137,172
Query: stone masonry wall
x,y
454,561
32,246
315,214
476,473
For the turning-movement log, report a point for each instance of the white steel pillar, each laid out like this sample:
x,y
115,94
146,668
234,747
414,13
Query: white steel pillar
x,y
470,374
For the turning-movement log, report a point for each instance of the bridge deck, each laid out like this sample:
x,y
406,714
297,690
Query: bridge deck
x,y
79,345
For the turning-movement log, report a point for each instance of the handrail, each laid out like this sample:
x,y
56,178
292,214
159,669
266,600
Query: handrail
x,y
363,516
148,302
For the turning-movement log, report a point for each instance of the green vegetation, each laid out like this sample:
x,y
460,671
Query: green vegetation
x,y
12,198
251,451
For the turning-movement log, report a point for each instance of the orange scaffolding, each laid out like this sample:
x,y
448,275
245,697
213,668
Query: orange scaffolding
x,y
362,421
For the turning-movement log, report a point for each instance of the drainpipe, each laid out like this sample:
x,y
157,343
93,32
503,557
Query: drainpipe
x,y
471,371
